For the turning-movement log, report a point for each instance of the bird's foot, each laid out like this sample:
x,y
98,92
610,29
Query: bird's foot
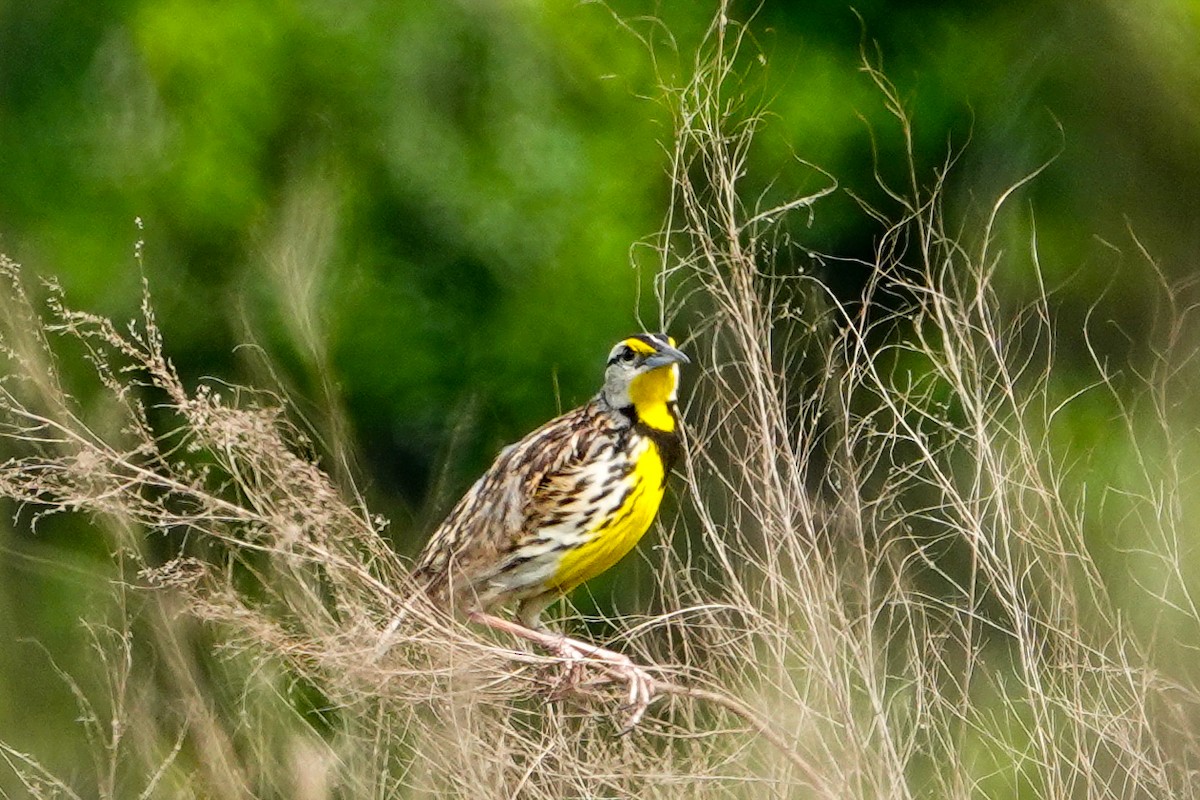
x,y
613,666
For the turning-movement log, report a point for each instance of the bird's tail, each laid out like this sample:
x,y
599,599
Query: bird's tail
x,y
388,637
421,602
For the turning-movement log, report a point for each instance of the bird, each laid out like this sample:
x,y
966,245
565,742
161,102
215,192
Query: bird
x,y
564,504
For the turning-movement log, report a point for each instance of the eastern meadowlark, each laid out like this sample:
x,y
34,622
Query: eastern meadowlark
x,y
564,504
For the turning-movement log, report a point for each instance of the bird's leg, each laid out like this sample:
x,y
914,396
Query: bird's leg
x,y
528,614
619,666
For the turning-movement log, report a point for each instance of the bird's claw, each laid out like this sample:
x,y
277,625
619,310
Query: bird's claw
x,y
641,694
613,667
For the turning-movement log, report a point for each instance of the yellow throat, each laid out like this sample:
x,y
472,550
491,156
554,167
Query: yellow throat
x,y
651,392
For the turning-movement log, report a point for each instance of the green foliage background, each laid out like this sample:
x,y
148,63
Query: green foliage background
x,y
433,218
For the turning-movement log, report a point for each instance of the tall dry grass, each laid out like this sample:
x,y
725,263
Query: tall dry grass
x,y
879,582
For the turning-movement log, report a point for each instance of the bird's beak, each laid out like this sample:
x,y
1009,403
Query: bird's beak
x,y
666,355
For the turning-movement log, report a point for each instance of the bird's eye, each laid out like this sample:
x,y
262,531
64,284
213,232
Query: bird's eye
x,y
628,356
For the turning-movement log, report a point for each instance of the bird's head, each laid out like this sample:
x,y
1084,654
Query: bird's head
x,y
643,374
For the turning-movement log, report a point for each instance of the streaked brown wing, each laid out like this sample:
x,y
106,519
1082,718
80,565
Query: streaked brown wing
x,y
494,515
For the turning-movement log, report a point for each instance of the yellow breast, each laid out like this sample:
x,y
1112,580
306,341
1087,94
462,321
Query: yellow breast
x,y
614,534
